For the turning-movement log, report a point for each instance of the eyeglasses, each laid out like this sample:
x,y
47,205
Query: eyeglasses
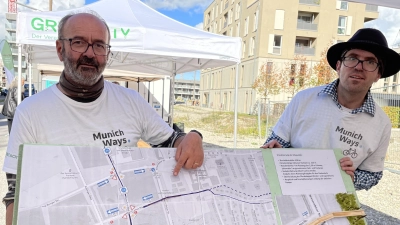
x,y
81,46
367,65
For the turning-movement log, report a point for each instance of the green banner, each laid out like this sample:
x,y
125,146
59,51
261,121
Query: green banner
x,y
8,62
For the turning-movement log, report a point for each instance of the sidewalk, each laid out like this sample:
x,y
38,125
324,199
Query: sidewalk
x,y
3,147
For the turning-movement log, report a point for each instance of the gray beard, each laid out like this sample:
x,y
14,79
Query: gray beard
x,y
84,77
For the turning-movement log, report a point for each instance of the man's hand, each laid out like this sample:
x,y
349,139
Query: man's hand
x,y
272,144
347,166
189,153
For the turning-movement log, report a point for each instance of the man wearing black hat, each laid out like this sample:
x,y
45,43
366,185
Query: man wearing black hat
x,y
343,113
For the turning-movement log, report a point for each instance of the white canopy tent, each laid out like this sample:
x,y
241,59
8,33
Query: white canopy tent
x,y
142,39
386,3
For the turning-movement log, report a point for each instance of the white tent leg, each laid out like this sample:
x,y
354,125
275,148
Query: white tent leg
x,y
236,106
19,89
172,98
30,79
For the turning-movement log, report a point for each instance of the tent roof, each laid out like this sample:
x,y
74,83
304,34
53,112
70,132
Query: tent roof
x,y
386,3
142,39
109,74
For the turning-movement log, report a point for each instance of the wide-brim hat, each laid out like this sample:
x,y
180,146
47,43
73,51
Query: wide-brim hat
x,y
371,40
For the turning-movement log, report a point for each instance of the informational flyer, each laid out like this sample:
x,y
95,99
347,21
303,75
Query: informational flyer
x,y
67,185
306,172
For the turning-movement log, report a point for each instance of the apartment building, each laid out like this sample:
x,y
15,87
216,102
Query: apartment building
x,y
386,91
274,32
186,89
10,37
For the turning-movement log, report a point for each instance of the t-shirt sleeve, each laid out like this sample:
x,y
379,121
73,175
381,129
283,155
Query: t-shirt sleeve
x,y
155,129
21,133
375,161
283,127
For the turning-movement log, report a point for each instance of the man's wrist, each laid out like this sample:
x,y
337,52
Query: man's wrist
x,y
195,131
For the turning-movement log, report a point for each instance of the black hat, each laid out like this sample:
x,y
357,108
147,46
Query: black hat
x,y
371,40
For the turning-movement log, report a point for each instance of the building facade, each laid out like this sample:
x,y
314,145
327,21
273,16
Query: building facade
x,y
186,90
274,32
10,37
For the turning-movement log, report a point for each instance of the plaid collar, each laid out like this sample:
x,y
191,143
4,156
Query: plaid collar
x,y
368,105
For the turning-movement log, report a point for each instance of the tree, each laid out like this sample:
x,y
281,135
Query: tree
x,y
324,74
269,82
297,74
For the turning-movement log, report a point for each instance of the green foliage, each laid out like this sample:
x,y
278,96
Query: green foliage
x,y
394,115
348,202
222,122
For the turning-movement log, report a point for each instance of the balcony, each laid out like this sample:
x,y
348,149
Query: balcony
x,y
303,50
23,64
11,38
309,2
10,26
371,8
276,50
307,26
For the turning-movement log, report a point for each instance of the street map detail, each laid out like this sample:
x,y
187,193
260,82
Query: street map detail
x,y
67,185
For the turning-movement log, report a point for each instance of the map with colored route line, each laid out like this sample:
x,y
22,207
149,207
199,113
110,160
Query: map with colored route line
x,y
108,186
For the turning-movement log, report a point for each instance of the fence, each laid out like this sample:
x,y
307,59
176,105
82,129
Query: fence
x,y
388,98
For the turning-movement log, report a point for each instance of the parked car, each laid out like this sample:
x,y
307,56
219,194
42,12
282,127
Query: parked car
x,y
4,92
26,90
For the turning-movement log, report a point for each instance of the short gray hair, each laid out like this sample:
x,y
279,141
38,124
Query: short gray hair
x,y
87,11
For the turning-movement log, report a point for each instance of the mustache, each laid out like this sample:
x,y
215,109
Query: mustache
x,y
87,61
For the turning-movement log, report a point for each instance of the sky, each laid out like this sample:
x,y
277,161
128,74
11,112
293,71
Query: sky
x,y
190,12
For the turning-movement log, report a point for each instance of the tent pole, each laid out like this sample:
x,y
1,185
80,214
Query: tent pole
x,y
162,99
172,98
148,94
19,89
236,106
30,77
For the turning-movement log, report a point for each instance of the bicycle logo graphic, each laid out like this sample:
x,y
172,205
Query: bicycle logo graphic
x,y
350,152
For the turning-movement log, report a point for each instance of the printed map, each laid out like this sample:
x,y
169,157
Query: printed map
x,y
67,185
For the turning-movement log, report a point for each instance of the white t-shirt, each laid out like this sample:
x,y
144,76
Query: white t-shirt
x,y
313,120
118,117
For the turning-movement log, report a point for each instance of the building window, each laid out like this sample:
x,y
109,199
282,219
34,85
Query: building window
x,y
212,14
385,84
395,78
342,25
225,20
255,21
304,18
230,16
231,32
246,26
269,67
277,44
237,11
238,29
252,46
208,17
244,49
342,5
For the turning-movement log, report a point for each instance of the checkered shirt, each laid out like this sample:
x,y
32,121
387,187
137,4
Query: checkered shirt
x,y
362,179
